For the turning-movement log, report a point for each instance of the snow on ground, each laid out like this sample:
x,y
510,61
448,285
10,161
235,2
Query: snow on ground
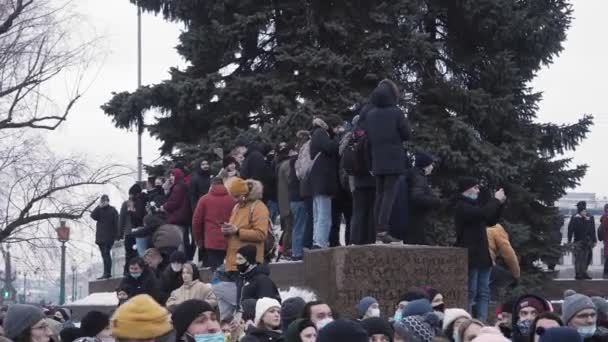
x,y
109,298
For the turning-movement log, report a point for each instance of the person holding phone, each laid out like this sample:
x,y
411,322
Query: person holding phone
x,y
471,219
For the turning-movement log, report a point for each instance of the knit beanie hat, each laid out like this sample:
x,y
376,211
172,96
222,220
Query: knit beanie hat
x,y
238,187
451,315
378,326
93,323
249,252
291,309
569,293
140,318
490,334
465,183
561,334
70,334
601,304
20,317
343,330
575,304
185,313
292,334
531,301
262,306
418,307
423,160
364,304
416,328
580,206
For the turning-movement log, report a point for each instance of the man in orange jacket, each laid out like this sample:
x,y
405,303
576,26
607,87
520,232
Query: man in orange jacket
x,y
499,245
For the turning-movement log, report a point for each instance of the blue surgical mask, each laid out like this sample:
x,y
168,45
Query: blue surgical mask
x,y
524,327
455,336
398,316
135,275
217,337
587,331
472,196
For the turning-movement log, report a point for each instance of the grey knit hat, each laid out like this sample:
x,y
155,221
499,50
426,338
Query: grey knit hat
x,y
575,304
19,318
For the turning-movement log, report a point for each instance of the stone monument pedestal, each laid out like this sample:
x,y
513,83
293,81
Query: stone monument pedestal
x,y
342,276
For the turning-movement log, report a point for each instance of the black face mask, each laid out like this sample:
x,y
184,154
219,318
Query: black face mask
x,y
439,308
242,268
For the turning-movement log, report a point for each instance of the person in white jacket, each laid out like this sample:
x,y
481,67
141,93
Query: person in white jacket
x,y
193,288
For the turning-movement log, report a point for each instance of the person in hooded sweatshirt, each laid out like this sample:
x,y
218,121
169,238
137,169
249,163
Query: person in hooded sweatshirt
x,y
471,219
267,322
525,311
106,232
193,288
387,129
178,209
254,281
212,210
421,200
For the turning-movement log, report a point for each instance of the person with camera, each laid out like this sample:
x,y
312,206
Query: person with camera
x,y
471,219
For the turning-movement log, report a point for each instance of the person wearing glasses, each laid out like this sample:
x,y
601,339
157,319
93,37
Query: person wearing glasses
x,y
26,323
579,312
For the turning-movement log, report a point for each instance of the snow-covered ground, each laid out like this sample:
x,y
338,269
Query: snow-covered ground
x,y
109,298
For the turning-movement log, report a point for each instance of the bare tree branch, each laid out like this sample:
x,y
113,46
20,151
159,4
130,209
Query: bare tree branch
x,y
8,22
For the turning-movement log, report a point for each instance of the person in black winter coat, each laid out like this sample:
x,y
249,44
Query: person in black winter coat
x,y
200,182
323,178
421,200
171,278
156,193
581,229
254,279
137,207
106,232
471,220
254,166
140,280
387,128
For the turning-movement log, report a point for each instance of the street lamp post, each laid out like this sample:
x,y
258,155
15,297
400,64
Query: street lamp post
x,y
73,283
63,235
24,287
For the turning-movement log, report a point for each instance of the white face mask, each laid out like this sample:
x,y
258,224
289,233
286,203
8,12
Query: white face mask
x,y
322,323
587,331
456,337
373,313
176,267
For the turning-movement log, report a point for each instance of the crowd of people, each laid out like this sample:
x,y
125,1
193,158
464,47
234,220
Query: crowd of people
x,y
419,316
359,175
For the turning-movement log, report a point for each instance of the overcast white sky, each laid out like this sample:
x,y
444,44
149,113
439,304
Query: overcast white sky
x,y
572,86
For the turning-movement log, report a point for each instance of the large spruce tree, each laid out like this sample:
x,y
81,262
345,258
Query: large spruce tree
x,y
465,69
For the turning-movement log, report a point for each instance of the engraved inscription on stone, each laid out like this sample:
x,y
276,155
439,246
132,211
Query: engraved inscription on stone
x,y
342,276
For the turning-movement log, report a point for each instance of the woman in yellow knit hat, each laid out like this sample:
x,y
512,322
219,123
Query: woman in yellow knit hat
x,y
248,222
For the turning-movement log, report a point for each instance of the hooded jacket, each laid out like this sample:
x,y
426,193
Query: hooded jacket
x,y
498,240
516,334
422,202
212,210
177,206
387,128
194,290
257,284
252,220
200,182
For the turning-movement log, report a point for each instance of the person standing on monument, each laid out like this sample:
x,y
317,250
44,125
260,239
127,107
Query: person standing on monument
x,y
106,231
421,200
471,219
581,229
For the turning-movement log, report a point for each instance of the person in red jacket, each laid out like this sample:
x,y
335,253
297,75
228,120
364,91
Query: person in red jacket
x,y
212,210
178,209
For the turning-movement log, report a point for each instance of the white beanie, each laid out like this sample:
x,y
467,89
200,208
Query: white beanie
x,y
263,305
451,315
490,334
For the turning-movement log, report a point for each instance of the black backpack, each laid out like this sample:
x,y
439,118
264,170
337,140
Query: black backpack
x,y
355,157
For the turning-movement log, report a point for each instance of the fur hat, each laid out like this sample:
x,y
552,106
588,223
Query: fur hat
x,y
238,187
319,122
262,306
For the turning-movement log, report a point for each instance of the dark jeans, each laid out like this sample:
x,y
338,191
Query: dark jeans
x,y
286,227
342,206
606,265
215,258
308,231
362,224
582,253
105,248
386,190
130,253
189,246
